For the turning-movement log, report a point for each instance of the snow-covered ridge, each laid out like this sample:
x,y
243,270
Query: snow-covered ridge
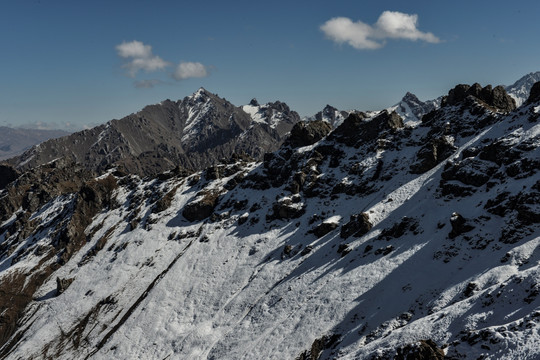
x,y
380,238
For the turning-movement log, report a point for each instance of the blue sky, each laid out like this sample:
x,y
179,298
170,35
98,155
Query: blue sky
x,y
70,64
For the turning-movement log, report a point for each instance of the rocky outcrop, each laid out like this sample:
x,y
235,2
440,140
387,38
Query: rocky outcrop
x,y
324,228
355,130
308,133
459,225
357,226
420,350
202,207
62,284
433,153
494,97
287,208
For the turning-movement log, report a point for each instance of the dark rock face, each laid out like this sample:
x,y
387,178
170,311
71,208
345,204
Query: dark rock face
x,y
308,133
356,130
7,175
357,226
36,187
494,97
534,96
470,171
433,153
202,207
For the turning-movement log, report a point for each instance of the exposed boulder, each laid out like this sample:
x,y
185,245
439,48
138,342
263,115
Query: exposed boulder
x,y
202,207
459,224
324,228
287,208
62,284
308,133
357,226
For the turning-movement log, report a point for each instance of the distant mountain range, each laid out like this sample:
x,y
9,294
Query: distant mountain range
x,y
14,141
384,236
411,109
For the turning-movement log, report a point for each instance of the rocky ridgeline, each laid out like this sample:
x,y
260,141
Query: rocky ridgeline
x,y
494,97
459,188
195,132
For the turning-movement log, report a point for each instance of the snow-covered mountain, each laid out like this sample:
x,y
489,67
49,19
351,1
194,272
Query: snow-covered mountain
x,y
521,88
331,115
411,109
380,239
194,132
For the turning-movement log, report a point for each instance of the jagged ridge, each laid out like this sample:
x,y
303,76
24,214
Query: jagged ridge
x,y
380,239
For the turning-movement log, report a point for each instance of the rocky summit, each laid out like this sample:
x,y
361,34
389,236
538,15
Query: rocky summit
x,y
195,132
382,238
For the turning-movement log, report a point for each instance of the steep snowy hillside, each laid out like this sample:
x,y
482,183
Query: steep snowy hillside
x,y
195,132
521,88
378,240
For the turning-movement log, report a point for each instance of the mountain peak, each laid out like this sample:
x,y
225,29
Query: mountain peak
x,y
521,88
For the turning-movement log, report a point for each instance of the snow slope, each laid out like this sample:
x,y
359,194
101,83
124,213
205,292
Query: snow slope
x,y
451,254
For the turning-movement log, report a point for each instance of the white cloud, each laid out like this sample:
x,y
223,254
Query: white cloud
x,y
390,25
186,70
139,57
134,49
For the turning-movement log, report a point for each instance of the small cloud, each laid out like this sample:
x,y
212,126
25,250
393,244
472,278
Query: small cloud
x,y
390,25
186,70
134,49
138,56
147,84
